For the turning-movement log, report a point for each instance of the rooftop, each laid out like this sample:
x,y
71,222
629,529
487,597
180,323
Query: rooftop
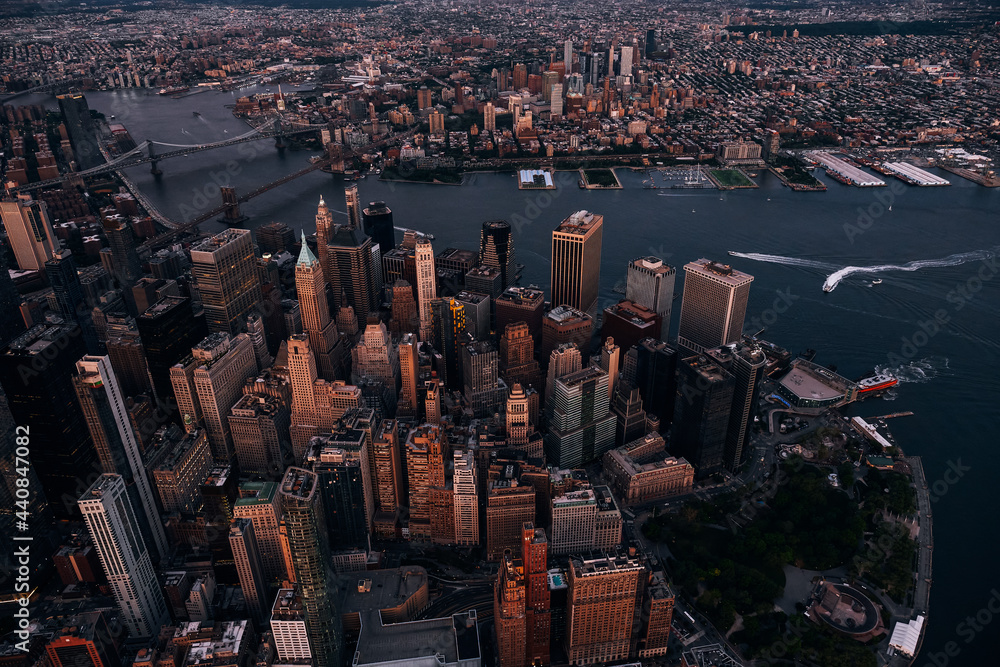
x,y
451,639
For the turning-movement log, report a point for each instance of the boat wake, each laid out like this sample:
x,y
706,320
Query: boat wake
x,y
918,371
788,261
839,273
951,260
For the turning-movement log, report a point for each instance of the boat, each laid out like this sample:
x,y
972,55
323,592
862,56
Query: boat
x,y
877,281
876,382
827,288
173,90
195,113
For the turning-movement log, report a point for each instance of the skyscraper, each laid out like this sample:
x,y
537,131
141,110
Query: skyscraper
x,y
11,320
568,55
65,281
124,258
466,498
565,359
496,249
324,231
376,357
409,367
111,521
509,612
353,206
352,274
625,65
449,334
341,463
489,117
378,225
260,502
35,371
388,488
117,447
713,306
576,261
746,364
310,553
650,283
29,230
701,419
168,330
426,288
225,270
601,606
581,425
521,304
517,357
259,423
81,129
310,285
210,382
651,367
480,378
246,554
537,600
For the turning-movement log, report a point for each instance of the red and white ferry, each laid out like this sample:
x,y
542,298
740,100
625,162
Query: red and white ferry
x,y
878,382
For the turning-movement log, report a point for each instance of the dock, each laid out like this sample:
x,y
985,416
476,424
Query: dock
x,y
987,180
913,175
845,172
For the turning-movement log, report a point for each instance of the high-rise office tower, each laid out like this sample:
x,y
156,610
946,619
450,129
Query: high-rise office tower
x,y
11,320
581,425
650,283
449,334
225,270
378,225
556,102
246,554
210,382
29,230
626,405
81,129
651,366
117,447
509,503
509,612
537,600
477,313
310,553
259,423
260,503
496,249
650,43
388,483
518,424
610,362
111,521
181,463
480,378
658,610
625,64
409,367
517,357
65,281
404,309
489,117
288,627
86,640
124,259
168,330
352,272
628,323
746,364
521,304
310,285
425,469
340,460
565,359
565,324
568,55
576,261
701,418
275,237
128,356
353,206
465,487
324,231
713,305
601,606
35,372
426,288
376,357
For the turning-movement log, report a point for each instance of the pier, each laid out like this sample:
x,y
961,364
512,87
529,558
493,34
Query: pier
x,y
845,172
913,175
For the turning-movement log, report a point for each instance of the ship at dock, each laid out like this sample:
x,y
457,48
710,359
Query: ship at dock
x,y
174,90
876,383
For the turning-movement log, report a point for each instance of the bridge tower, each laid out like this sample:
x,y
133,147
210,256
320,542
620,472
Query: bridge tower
x,y
279,135
231,216
154,168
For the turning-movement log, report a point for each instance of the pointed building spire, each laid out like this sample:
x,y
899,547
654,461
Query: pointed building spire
x,y
306,257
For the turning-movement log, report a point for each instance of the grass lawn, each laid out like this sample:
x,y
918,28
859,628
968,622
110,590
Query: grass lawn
x,y
731,178
602,177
